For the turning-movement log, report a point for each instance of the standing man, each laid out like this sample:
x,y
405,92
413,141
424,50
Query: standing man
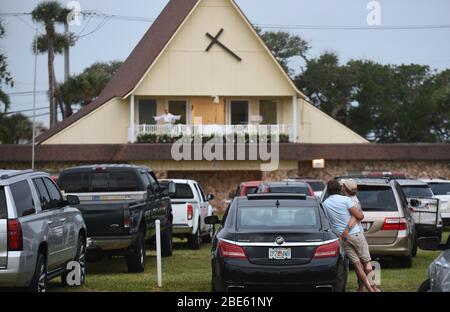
x,y
340,210
168,119
350,189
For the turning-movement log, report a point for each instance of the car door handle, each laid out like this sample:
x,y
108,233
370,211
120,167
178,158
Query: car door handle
x,y
63,219
49,222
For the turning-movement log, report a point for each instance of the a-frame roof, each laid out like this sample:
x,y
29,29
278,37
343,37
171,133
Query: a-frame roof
x,y
140,60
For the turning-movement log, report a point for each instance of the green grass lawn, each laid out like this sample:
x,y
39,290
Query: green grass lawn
x,y
190,270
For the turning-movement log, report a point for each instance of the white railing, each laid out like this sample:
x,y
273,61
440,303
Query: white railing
x,y
208,130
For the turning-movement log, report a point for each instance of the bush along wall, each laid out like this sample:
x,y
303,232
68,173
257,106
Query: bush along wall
x,y
165,138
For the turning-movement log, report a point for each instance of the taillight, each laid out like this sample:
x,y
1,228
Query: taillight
x,y
229,250
330,250
394,224
14,235
190,212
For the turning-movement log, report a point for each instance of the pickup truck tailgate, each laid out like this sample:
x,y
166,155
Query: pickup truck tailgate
x,y
104,214
179,211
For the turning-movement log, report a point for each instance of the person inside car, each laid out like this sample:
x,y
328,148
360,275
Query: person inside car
x,y
340,210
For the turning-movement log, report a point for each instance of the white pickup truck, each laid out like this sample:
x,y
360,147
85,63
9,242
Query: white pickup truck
x,y
190,206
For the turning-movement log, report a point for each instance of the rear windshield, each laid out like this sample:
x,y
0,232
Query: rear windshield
x,y
3,208
417,191
182,191
376,198
97,182
271,218
289,189
251,189
317,186
440,188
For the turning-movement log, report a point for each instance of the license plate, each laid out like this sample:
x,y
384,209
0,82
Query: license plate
x,y
366,226
279,253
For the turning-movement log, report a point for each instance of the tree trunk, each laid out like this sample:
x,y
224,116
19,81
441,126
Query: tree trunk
x,y
51,83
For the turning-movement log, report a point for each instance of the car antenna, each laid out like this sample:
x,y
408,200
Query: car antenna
x,y
277,203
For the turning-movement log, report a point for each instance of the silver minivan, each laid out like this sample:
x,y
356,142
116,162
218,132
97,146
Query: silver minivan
x,y
41,235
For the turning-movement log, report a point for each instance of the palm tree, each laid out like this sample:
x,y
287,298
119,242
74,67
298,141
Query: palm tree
x,y
51,13
15,129
5,75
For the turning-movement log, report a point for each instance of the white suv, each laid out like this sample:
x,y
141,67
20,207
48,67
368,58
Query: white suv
x,y
40,232
441,190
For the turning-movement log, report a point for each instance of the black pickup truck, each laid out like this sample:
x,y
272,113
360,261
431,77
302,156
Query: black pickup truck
x,y
120,205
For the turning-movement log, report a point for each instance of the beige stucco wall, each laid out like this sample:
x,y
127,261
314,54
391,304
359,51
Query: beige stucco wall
x,y
107,125
314,126
185,67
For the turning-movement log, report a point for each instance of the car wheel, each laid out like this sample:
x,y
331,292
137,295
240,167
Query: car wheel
x,y
195,240
405,262
136,260
425,286
39,280
81,259
414,247
208,238
167,241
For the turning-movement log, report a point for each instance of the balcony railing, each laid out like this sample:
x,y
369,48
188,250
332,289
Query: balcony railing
x,y
209,130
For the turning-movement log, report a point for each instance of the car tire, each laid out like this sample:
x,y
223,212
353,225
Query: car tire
x,y
167,241
208,238
195,240
81,259
136,260
415,245
39,280
405,262
425,286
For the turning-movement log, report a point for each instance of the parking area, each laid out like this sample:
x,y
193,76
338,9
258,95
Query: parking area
x,y
190,270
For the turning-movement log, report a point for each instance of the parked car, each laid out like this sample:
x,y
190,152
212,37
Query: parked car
x,y
439,269
276,242
40,232
248,187
317,185
428,220
190,207
441,190
286,187
388,220
120,204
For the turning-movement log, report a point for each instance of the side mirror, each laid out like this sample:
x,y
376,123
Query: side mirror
x,y
212,220
209,197
414,203
429,243
72,200
172,189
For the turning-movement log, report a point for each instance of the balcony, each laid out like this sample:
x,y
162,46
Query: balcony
x,y
174,131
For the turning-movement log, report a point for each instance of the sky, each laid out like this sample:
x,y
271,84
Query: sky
x,y
115,39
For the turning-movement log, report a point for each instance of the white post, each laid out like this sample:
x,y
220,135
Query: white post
x,y
131,132
294,120
158,252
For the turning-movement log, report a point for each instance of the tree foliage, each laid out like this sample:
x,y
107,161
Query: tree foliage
x,y
15,129
5,75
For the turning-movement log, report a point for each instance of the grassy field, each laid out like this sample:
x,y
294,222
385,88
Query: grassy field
x,y
190,270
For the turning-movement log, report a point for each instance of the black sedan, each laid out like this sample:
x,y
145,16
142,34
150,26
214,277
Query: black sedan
x,y
276,242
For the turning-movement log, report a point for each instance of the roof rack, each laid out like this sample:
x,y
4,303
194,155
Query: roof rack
x,y
261,196
16,174
368,177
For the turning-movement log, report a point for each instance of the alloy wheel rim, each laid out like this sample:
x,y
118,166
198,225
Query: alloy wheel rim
x,y
42,287
82,261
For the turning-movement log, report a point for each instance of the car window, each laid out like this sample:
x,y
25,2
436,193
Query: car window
x,y
53,191
198,191
44,197
153,182
317,186
182,191
266,218
202,193
377,198
417,191
77,182
251,190
440,188
23,199
3,207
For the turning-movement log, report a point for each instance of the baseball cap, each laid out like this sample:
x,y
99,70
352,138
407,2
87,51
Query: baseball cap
x,y
350,185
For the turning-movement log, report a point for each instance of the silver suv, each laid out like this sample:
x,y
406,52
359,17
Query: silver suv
x,y
41,235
